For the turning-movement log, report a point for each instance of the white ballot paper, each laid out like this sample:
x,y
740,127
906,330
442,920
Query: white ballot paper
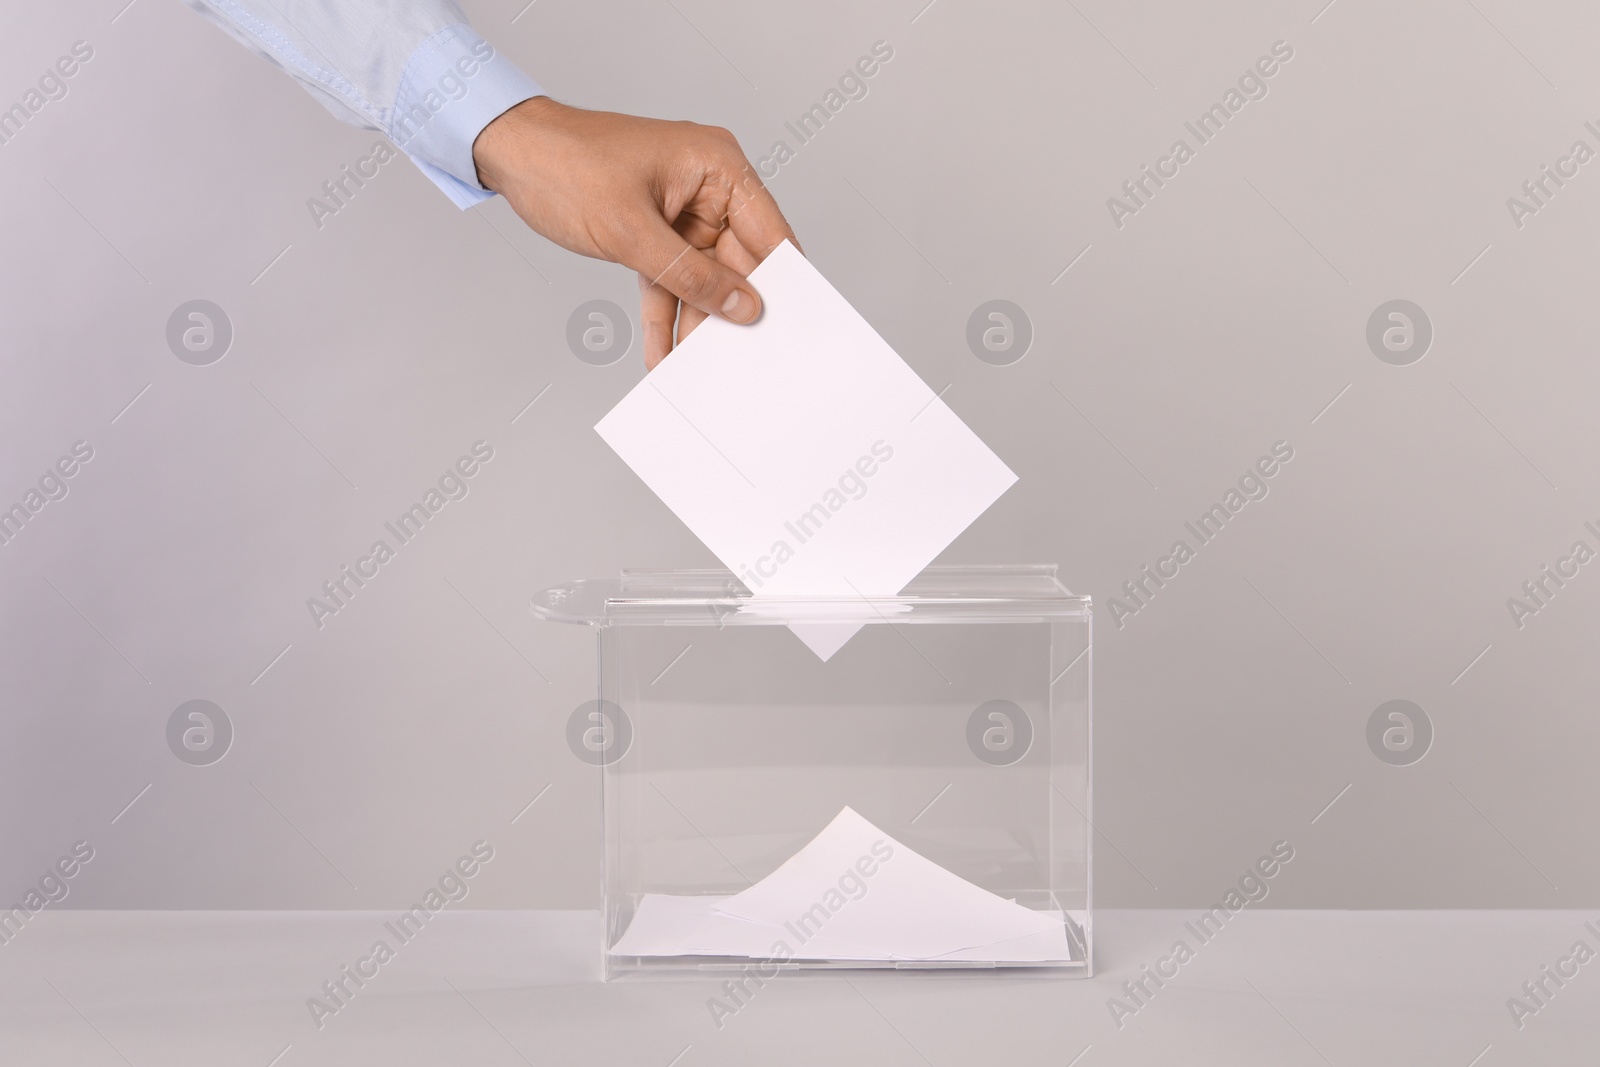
x,y
852,893
804,452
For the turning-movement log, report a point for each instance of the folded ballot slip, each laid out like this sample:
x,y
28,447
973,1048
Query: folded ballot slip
x,y
852,893
804,452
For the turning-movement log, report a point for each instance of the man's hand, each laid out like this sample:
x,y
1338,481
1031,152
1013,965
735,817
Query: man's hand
x,y
675,201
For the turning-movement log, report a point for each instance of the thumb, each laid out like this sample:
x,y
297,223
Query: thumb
x,y
666,259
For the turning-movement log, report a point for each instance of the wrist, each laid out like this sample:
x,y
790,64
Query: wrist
x,y
497,146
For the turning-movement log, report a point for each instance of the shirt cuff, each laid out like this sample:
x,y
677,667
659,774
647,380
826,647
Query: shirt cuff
x,y
453,86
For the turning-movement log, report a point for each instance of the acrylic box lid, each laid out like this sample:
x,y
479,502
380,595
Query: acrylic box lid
x,y
714,597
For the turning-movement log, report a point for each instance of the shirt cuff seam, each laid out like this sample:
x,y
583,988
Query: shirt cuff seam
x,y
271,35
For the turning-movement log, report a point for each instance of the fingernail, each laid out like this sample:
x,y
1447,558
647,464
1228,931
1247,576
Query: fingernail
x,y
739,307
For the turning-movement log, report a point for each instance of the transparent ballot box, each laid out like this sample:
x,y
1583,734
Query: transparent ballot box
x,y
919,800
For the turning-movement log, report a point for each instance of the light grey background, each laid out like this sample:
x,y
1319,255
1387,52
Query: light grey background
x,y
1223,317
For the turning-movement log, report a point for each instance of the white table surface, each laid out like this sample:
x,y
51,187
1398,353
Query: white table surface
x,y
229,989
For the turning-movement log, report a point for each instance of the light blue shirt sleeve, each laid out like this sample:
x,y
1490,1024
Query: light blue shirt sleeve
x,y
412,69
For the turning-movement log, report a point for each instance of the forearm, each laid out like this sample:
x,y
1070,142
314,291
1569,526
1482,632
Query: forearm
x,y
413,69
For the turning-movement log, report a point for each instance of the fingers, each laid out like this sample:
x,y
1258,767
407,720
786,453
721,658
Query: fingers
x,y
657,310
658,306
701,233
728,252
667,260
695,265
753,214
732,252
688,319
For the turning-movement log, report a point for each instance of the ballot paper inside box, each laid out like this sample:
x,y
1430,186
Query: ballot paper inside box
x,y
921,800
